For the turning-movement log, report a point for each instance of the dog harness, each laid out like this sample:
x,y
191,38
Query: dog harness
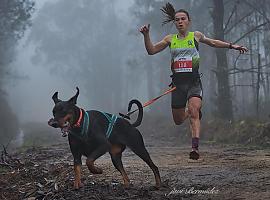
x,y
85,124
111,119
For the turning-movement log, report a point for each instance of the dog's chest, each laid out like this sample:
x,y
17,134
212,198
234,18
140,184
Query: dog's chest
x,y
84,145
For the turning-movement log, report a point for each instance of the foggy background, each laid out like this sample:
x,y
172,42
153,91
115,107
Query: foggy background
x,y
96,45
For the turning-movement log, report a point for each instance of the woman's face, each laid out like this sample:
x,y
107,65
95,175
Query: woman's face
x,y
181,21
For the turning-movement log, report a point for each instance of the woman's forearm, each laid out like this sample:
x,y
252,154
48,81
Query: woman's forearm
x,y
148,45
220,44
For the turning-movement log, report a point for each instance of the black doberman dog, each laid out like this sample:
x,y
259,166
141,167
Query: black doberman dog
x,y
93,133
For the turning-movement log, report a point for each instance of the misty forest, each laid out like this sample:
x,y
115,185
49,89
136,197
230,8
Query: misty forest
x,y
95,45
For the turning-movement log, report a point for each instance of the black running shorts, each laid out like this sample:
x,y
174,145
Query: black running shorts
x,y
184,92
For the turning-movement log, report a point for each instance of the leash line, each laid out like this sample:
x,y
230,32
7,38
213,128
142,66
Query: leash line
x,y
153,100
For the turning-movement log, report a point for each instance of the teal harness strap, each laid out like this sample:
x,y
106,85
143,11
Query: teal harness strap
x,y
85,124
112,121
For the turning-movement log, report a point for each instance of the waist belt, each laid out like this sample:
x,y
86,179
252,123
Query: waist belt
x,y
186,77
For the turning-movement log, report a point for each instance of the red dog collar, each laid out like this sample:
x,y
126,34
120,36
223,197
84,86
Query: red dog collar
x,y
78,123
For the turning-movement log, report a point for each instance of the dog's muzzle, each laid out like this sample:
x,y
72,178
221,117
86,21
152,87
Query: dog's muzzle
x,y
65,129
53,123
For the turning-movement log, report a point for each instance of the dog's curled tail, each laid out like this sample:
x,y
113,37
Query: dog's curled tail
x,y
140,115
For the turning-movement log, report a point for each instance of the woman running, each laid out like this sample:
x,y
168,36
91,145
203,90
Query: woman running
x,y
186,100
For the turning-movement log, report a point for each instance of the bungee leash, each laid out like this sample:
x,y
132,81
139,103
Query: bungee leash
x,y
127,115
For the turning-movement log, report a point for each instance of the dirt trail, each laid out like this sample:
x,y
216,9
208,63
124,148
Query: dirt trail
x,y
222,173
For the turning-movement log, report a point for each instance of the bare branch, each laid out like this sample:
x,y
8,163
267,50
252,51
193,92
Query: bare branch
x,y
234,64
229,19
241,86
5,165
250,31
250,70
215,71
236,23
257,9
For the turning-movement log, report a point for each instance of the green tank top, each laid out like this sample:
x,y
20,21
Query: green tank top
x,y
184,56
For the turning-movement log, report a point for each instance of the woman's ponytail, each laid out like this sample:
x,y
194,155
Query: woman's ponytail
x,y
169,13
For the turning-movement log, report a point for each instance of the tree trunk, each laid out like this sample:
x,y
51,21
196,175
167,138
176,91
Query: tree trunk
x,y
224,102
258,87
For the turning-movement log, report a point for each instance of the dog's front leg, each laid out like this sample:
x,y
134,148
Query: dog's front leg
x,y
75,148
101,150
77,172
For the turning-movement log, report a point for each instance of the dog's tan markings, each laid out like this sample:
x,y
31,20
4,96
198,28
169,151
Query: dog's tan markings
x,y
125,178
77,181
115,149
67,117
158,181
92,168
64,119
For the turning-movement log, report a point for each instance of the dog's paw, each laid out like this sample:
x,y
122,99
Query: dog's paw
x,y
95,170
154,187
77,185
127,185
165,184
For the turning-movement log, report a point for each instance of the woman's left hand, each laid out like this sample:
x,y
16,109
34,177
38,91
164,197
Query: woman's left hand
x,y
241,49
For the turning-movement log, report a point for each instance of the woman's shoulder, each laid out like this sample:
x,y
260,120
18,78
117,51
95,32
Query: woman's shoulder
x,y
198,36
197,33
168,38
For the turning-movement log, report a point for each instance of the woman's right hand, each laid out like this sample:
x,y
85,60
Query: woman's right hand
x,y
145,29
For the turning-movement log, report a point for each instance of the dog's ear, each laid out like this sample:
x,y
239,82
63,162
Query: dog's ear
x,y
55,98
73,100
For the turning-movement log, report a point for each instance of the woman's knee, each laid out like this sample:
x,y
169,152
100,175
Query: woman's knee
x,y
178,120
193,112
179,116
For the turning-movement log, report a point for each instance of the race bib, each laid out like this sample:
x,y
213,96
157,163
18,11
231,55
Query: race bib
x,y
183,65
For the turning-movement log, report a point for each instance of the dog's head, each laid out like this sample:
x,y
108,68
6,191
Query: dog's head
x,y
63,113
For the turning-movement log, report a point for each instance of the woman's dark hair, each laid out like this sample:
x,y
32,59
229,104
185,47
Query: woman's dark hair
x,y
170,12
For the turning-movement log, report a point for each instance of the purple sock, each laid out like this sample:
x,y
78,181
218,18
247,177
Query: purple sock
x,y
195,143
